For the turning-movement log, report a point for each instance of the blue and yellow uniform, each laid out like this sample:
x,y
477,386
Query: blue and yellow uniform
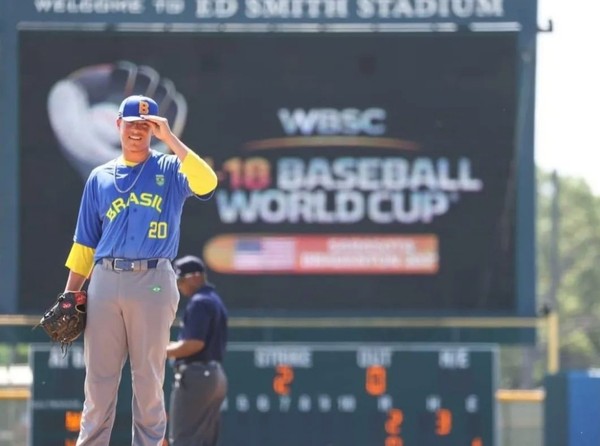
x,y
142,219
126,236
150,196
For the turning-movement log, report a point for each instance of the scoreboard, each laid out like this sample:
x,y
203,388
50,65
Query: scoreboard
x,y
360,394
309,394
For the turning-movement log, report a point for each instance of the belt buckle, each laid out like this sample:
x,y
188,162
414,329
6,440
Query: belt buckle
x,y
123,265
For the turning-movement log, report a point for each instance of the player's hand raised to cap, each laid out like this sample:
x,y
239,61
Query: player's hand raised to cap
x,y
160,126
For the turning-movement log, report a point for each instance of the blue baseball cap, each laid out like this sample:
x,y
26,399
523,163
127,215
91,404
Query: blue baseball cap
x,y
135,106
188,266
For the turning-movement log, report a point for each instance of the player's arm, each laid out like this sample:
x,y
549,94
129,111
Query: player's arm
x,y
201,178
80,263
184,348
75,282
87,234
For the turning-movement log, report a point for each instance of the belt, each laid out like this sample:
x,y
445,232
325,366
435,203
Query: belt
x,y
182,366
128,264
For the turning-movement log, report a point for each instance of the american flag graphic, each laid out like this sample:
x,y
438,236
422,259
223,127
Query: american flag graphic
x,y
265,254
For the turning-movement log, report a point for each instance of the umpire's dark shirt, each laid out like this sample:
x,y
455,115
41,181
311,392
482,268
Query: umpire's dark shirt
x,y
205,319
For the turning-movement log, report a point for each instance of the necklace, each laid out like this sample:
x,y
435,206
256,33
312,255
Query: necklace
x,y
134,181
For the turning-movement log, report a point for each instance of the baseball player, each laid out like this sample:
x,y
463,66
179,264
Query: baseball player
x,y
200,383
126,236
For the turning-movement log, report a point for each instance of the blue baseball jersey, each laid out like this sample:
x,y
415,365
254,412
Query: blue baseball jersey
x,y
133,212
205,319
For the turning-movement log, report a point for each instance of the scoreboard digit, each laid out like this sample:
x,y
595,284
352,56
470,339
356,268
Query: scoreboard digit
x,y
309,394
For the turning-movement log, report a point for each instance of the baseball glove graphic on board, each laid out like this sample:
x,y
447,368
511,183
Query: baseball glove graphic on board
x,y
64,321
83,107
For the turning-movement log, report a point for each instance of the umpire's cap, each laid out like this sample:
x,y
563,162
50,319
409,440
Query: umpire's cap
x,y
133,107
188,266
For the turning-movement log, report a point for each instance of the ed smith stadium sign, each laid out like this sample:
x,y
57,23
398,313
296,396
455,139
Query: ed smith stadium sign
x,y
297,9
244,11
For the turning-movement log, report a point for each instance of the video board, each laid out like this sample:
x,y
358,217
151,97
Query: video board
x,y
358,172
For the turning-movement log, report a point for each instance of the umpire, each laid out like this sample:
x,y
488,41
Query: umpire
x,y
200,384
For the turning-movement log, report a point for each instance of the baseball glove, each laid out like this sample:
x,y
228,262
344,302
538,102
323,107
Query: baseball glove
x,y
64,321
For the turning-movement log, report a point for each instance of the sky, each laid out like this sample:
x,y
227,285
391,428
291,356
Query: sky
x,y
567,125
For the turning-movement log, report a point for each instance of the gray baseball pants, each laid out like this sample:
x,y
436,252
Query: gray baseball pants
x,y
195,407
128,313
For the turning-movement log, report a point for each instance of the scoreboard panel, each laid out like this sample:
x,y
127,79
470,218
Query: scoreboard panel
x,y
317,394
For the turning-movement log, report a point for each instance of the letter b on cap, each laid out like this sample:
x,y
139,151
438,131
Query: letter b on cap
x,y
144,108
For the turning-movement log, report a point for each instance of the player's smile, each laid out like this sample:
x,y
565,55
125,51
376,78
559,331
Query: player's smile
x,y
135,135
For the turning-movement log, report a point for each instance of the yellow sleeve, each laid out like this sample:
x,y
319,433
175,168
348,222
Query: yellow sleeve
x,y
201,178
81,259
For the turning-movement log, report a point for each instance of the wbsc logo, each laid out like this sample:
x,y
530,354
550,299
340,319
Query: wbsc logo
x,y
331,121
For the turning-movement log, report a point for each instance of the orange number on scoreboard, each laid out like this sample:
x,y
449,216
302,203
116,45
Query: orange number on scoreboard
x,y
376,380
394,421
72,421
477,442
284,375
443,422
394,441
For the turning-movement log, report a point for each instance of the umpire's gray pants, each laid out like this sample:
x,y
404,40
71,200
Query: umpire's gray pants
x,y
195,407
127,313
